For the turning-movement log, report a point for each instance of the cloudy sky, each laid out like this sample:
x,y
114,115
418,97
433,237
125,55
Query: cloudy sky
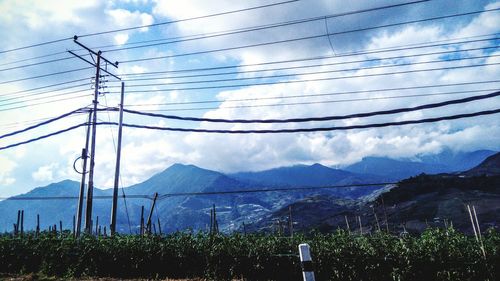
x,y
269,62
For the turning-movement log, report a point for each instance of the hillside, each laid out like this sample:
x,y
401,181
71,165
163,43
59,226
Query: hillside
x,y
489,167
414,204
398,169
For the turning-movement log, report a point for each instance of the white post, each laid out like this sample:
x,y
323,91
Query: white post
x,y
306,262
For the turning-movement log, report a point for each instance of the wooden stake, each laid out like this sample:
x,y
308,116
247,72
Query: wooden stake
x,y
96,224
159,226
18,222
22,222
376,218
142,221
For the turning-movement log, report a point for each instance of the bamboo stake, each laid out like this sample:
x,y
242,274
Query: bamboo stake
x,y
479,231
347,223
472,222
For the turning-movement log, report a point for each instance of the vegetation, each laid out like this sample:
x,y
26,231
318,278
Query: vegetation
x,y
436,254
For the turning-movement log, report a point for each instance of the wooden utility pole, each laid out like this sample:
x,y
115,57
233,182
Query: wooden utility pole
x,y
290,221
90,188
148,224
97,64
114,205
82,182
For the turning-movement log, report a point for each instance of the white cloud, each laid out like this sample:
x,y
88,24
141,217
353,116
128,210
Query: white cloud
x,y
6,168
146,152
46,173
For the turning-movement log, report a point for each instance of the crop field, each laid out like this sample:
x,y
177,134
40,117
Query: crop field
x,y
436,254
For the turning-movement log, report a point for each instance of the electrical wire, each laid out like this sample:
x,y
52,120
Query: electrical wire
x,y
45,75
305,80
204,193
43,103
41,88
223,33
146,26
358,53
79,110
45,92
279,131
323,118
309,73
323,64
297,39
328,94
319,129
286,23
323,101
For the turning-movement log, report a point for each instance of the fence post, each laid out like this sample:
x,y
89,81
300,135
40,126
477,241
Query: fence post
x,y
306,262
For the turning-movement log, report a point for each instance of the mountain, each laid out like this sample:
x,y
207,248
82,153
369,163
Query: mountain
x,y
324,208
315,175
302,175
489,167
52,211
397,169
412,205
180,178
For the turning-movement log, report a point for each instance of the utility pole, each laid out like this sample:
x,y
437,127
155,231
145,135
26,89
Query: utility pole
x,y
97,63
82,182
117,170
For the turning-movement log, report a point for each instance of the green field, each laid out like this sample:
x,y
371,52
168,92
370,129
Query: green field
x,y
436,254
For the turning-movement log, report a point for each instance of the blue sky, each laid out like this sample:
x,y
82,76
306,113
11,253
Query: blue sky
x,y
147,152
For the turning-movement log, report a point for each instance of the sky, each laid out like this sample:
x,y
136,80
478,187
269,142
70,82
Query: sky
x,y
360,67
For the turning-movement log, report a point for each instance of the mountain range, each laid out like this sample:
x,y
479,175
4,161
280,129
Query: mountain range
x,y
254,209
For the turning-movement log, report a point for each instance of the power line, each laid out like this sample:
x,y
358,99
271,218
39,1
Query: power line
x,y
308,80
322,101
45,75
35,64
261,27
43,103
36,45
146,26
283,189
323,118
368,52
43,97
204,193
330,94
193,18
301,38
279,131
328,64
134,196
319,129
226,32
310,73
41,88
79,110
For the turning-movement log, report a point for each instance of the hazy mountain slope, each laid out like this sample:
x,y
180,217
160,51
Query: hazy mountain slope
x,y
52,211
444,162
489,167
